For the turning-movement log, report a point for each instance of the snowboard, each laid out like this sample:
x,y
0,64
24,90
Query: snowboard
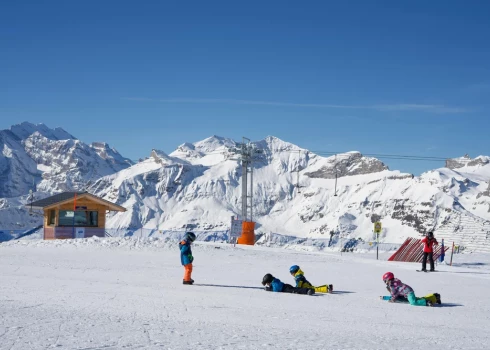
x,y
327,288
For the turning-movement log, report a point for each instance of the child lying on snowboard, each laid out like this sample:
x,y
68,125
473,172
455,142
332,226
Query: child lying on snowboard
x,y
302,282
273,284
401,292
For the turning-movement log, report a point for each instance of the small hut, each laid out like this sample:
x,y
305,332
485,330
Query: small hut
x,y
74,215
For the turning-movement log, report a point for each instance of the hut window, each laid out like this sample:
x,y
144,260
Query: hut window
x,y
78,218
93,218
52,217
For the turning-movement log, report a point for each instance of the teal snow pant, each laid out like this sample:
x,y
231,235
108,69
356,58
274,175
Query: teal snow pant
x,y
416,301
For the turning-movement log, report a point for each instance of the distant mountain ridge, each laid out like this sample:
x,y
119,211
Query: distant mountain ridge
x,y
198,186
51,160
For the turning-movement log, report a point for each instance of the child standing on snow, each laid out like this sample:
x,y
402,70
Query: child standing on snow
x,y
401,290
186,257
273,284
302,282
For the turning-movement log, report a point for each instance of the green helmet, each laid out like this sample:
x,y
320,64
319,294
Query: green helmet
x,y
190,236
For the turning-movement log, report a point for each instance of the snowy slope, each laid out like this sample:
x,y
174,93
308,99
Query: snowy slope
x,y
126,293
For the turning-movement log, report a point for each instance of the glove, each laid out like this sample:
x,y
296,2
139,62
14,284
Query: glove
x,y
190,257
268,288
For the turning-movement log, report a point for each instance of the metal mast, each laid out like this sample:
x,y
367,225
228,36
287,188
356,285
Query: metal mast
x,y
247,152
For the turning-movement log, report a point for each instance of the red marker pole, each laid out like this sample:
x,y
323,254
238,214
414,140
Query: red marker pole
x,y
74,208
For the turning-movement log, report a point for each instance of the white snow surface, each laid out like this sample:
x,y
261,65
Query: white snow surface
x,y
117,293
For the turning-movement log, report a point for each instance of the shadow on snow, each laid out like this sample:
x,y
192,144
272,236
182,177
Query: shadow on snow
x,y
225,286
261,288
449,305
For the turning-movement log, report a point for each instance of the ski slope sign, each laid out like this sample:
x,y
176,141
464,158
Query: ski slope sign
x,y
236,228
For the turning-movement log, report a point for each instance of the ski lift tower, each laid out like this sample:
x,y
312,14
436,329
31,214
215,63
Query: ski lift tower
x,y
248,153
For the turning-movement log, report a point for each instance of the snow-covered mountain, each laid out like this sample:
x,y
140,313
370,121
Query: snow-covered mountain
x,y
199,186
51,160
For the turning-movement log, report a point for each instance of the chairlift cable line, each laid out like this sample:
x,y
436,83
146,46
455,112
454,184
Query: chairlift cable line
x,y
333,153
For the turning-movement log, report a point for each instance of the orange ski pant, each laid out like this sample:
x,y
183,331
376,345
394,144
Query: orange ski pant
x,y
187,272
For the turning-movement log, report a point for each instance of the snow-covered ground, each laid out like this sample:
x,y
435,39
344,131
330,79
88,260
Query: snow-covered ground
x,y
126,293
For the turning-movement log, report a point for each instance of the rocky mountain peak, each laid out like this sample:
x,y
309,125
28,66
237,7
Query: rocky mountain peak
x,y
348,164
52,160
466,160
26,129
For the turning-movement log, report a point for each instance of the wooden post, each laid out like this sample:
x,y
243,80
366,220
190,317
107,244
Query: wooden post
x,y
452,251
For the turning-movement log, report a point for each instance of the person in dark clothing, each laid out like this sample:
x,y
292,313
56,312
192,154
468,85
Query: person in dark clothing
x,y
429,241
273,284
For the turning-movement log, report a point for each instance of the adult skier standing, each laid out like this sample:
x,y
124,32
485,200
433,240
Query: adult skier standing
x,y
429,241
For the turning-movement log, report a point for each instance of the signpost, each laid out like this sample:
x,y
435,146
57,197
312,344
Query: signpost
x,y
377,229
236,228
443,253
452,251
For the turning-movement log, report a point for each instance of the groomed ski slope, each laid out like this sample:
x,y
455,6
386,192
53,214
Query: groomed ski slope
x,y
127,293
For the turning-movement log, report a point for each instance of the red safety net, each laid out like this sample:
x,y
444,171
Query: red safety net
x,y
412,250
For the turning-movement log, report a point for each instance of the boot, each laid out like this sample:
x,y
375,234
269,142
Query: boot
x,y
330,288
188,282
310,291
438,298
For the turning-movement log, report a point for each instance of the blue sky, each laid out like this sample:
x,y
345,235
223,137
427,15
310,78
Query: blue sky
x,y
387,77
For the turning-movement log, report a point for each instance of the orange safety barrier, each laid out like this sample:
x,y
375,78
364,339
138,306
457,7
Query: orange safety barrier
x,y
248,233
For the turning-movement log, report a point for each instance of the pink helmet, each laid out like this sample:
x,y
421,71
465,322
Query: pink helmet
x,y
388,276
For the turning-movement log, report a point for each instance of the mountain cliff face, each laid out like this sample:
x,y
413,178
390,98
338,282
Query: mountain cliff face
x,y
51,160
347,164
198,186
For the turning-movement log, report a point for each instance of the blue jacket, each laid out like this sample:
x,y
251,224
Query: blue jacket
x,y
185,252
277,285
